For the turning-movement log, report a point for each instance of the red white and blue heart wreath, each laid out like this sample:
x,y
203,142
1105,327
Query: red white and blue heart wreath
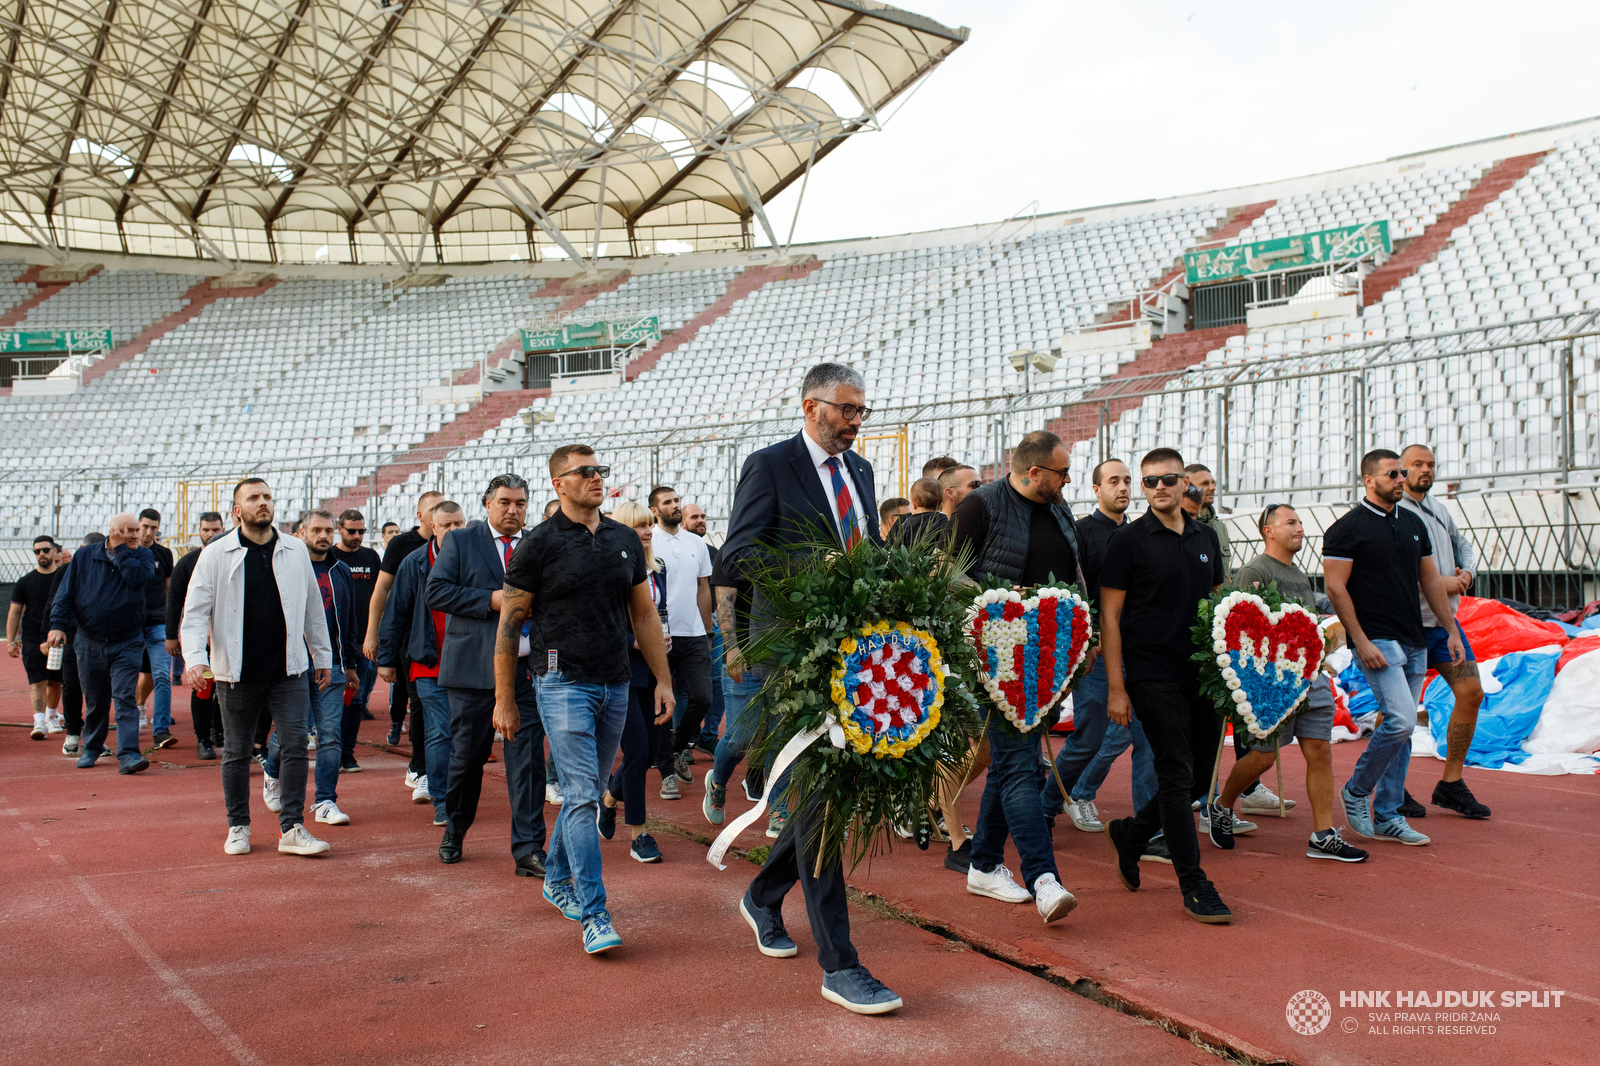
x,y
1261,657
1029,649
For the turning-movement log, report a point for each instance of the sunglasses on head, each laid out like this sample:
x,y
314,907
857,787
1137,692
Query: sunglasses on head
x,y
587,472
1150,481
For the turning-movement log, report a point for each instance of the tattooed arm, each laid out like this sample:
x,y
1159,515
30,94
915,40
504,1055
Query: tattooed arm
x,y
727,600
515,606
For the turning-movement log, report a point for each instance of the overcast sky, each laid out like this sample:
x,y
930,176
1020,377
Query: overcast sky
x,y
1077,104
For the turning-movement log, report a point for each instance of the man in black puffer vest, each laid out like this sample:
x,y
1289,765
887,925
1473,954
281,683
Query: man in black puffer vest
x,y
1020,530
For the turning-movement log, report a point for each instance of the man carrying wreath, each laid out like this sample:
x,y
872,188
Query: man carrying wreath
x,y
1019,530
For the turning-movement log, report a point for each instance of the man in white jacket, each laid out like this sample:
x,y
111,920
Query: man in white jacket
x,y
252,614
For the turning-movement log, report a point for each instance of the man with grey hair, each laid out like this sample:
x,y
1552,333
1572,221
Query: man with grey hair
x,y
791,495
102,596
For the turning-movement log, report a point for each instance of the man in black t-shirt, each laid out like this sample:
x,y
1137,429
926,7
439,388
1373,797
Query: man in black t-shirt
x,y
1018,530
157,673
402,693
1375,558
580,578
27,622
1156,571
203,710
364,564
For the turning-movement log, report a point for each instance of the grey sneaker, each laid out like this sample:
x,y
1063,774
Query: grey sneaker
x,y
1358,812
669,788
1398,829
1085,816
69,747
681,764
857,991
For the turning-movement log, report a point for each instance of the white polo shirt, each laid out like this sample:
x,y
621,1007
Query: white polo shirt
x,y
688,560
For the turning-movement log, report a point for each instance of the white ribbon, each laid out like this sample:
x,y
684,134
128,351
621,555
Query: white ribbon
x,y
789,753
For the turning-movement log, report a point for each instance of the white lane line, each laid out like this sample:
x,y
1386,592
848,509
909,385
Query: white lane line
x,y
175,984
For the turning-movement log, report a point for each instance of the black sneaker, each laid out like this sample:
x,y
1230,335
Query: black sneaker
x,y
709,747
1127,855
349,766
1412,809
1204,905
205,751
1456,796
394,734
1220,826
754,783
605,820
1330,845
164,739
1156,851
645,849
681,764
959,859
366,715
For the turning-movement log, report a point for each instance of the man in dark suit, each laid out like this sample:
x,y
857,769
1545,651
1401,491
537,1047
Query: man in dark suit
x,y
790,495
465,584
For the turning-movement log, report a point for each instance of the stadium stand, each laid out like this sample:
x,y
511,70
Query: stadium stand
x,y
126,300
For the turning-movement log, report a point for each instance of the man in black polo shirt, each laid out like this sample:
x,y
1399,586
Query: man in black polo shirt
x,y
1374,559
1019,530
1156,571
364,564
580,577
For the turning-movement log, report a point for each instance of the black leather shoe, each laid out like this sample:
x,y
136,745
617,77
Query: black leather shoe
x,y
205,751
450,848
531,864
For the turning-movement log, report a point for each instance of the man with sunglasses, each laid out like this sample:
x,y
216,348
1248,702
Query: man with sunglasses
x,y
791,495
1456,562
26,624
1374,560
1157,569
364,565
578,584
1018,530
466,583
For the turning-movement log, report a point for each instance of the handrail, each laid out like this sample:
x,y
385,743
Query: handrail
x,y
1139,303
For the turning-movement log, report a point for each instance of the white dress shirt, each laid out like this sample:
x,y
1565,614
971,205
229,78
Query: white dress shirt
x,y
819,459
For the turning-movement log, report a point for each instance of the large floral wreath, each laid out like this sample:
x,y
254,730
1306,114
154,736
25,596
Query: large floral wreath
x,y
1029,648
1261,654
888,687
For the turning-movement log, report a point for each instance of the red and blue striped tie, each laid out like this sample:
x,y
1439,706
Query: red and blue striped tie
x,y
849,524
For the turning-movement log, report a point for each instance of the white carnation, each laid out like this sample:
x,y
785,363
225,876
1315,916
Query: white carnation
x,y
1222,660
1220,647
1238,696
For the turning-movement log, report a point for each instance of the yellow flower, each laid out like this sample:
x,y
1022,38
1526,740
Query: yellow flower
x,y
845,707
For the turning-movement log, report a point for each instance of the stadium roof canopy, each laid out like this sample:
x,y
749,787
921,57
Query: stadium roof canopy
x,y
410,131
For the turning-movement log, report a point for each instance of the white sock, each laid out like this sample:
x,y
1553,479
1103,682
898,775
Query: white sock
x,y
52,710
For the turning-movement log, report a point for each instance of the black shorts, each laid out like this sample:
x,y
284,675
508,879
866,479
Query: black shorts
x,y
144,667
33,661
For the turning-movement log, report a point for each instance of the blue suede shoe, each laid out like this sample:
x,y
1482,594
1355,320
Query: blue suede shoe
x,y
1358,812
771,937
858,992
563,898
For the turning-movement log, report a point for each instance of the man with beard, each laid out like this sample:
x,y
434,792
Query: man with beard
x,y
1018,530
689,611
1456,562
254,597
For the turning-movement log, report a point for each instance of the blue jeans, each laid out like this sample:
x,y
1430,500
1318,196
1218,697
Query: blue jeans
x,y
584,723
436,738
743,715
1095,743
1381,770
719,678
155,646
108,673
1011,804
326,712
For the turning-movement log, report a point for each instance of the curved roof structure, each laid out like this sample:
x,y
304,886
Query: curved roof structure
x,y
406,131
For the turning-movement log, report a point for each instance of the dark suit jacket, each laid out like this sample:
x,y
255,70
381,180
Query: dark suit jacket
x,y
780,506
464,575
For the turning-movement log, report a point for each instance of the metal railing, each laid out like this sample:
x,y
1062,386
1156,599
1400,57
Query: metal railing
x,y
1153,305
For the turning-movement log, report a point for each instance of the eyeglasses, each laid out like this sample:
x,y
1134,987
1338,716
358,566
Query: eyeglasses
x,y
587,472
849,410
1059,473
1150,481
44,551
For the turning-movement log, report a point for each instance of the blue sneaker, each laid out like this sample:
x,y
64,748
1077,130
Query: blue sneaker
x,y
858,992
563,898
772,939
1358,812
1397,828
598,935
133,764
715,799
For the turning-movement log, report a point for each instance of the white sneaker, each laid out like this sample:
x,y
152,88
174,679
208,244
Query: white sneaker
x,y
311,742
1085,816
553,794
272,793
144,719
412,779
1054,901
238,840
1262,800
38,726
420,794
55,722
70,745
1241,827
329,812
996,884
299,842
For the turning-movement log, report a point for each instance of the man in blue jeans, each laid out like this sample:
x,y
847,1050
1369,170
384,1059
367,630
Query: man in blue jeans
x,y
1375,559
102,596
580,578
1020,531
159,671
410,632
327,699
743,712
